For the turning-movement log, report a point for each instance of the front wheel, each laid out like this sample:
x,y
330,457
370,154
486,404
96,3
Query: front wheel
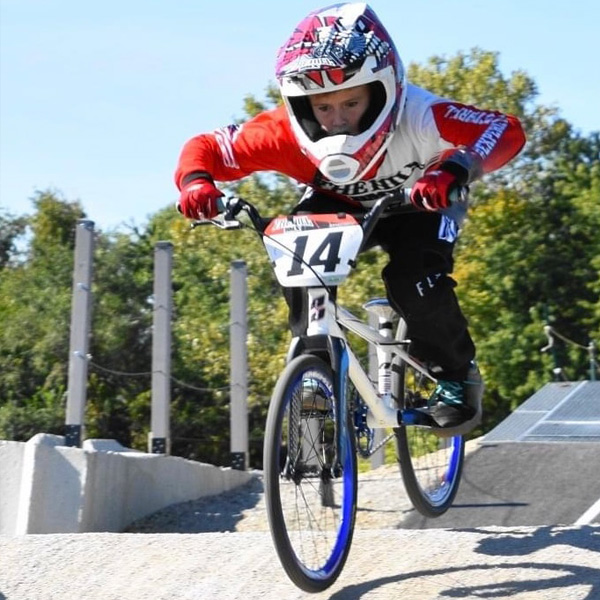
x,y
310,475
431,465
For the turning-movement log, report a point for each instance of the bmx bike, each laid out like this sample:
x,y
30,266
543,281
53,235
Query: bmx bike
x,y
325,409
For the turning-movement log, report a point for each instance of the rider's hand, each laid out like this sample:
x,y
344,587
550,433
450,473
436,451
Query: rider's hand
x,y
198,200
432,191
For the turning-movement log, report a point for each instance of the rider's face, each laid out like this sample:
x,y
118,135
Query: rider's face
x,y
341,111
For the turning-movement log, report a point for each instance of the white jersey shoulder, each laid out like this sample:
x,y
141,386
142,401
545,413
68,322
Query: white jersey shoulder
x,y
416,139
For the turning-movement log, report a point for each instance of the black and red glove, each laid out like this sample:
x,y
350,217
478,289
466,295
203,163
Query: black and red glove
x,y
432,191
198,200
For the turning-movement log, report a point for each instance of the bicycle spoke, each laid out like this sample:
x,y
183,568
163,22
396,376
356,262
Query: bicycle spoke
x,y
311,511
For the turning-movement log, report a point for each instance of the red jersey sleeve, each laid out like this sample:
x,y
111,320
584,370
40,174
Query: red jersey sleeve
x,y
264,143
494,138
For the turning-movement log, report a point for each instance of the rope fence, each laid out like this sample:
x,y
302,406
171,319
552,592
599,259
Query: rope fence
x,y
551,333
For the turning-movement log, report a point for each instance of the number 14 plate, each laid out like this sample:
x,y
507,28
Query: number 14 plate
x,y
313,250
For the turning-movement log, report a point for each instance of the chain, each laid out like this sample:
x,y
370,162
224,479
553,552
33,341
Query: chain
x,y
382,443
368,453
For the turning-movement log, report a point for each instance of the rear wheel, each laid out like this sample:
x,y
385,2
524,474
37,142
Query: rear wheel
x,y
310,475
431,465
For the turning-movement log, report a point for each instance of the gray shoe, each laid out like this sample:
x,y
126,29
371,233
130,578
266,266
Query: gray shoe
x,y
456,406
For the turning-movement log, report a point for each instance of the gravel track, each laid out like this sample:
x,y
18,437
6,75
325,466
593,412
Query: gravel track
x,y
220,548
383,504
528,564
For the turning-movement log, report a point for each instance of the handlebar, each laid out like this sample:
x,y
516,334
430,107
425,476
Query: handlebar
x,y
230,207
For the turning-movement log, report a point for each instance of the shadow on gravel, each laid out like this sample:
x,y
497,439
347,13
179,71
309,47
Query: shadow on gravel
x,y
520,543
211,514
459,587
510,544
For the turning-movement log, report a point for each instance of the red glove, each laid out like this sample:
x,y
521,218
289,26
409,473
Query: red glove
x,y
198,200
432,191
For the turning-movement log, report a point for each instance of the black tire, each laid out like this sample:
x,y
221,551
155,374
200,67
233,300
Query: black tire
x,y
431,465
310,482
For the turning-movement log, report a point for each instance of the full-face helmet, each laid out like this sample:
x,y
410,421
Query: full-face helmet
x,y
335,48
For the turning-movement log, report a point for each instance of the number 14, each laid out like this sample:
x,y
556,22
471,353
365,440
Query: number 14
x,y
330,247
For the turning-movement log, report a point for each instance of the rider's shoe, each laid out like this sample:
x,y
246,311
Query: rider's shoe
x,y
456,405
313,398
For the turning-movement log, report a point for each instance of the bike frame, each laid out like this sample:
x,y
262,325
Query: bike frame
x,y
309,451
330,320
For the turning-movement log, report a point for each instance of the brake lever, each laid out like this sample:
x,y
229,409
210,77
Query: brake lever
x,y
220,221
225,219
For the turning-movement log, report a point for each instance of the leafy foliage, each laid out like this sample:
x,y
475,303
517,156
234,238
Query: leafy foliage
x,y
529,254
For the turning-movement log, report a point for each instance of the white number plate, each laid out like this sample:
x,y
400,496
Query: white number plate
x,y
313,250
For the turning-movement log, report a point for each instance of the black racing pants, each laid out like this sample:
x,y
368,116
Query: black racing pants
x,y
418,284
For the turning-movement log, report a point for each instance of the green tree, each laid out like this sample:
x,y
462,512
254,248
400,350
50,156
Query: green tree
x,y
526,250
529,251
11,231
34,312
526,257
121,340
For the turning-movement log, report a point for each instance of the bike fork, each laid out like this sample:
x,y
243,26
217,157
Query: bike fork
x,y
340,362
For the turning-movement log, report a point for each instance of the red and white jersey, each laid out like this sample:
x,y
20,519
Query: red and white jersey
x,y
429,126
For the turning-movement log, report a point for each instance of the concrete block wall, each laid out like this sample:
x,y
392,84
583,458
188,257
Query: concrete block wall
x,y
11,468
47,487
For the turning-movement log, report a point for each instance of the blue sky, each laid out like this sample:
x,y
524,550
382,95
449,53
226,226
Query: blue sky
x,y
97,98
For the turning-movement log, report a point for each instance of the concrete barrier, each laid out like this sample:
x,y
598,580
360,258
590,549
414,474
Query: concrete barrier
x,y
46,487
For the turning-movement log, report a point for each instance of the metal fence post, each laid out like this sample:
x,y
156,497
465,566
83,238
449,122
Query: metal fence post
x,y
239,366
81,308
161,350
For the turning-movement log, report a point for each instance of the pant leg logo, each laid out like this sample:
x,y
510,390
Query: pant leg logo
x,y
427,284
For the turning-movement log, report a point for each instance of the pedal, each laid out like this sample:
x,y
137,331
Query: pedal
x,y
418,417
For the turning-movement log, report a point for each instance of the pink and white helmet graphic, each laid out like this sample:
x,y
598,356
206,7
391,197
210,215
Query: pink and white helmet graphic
x,y
339,47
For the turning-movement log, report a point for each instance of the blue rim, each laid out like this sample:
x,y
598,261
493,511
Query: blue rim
x,y
345,529
439,495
